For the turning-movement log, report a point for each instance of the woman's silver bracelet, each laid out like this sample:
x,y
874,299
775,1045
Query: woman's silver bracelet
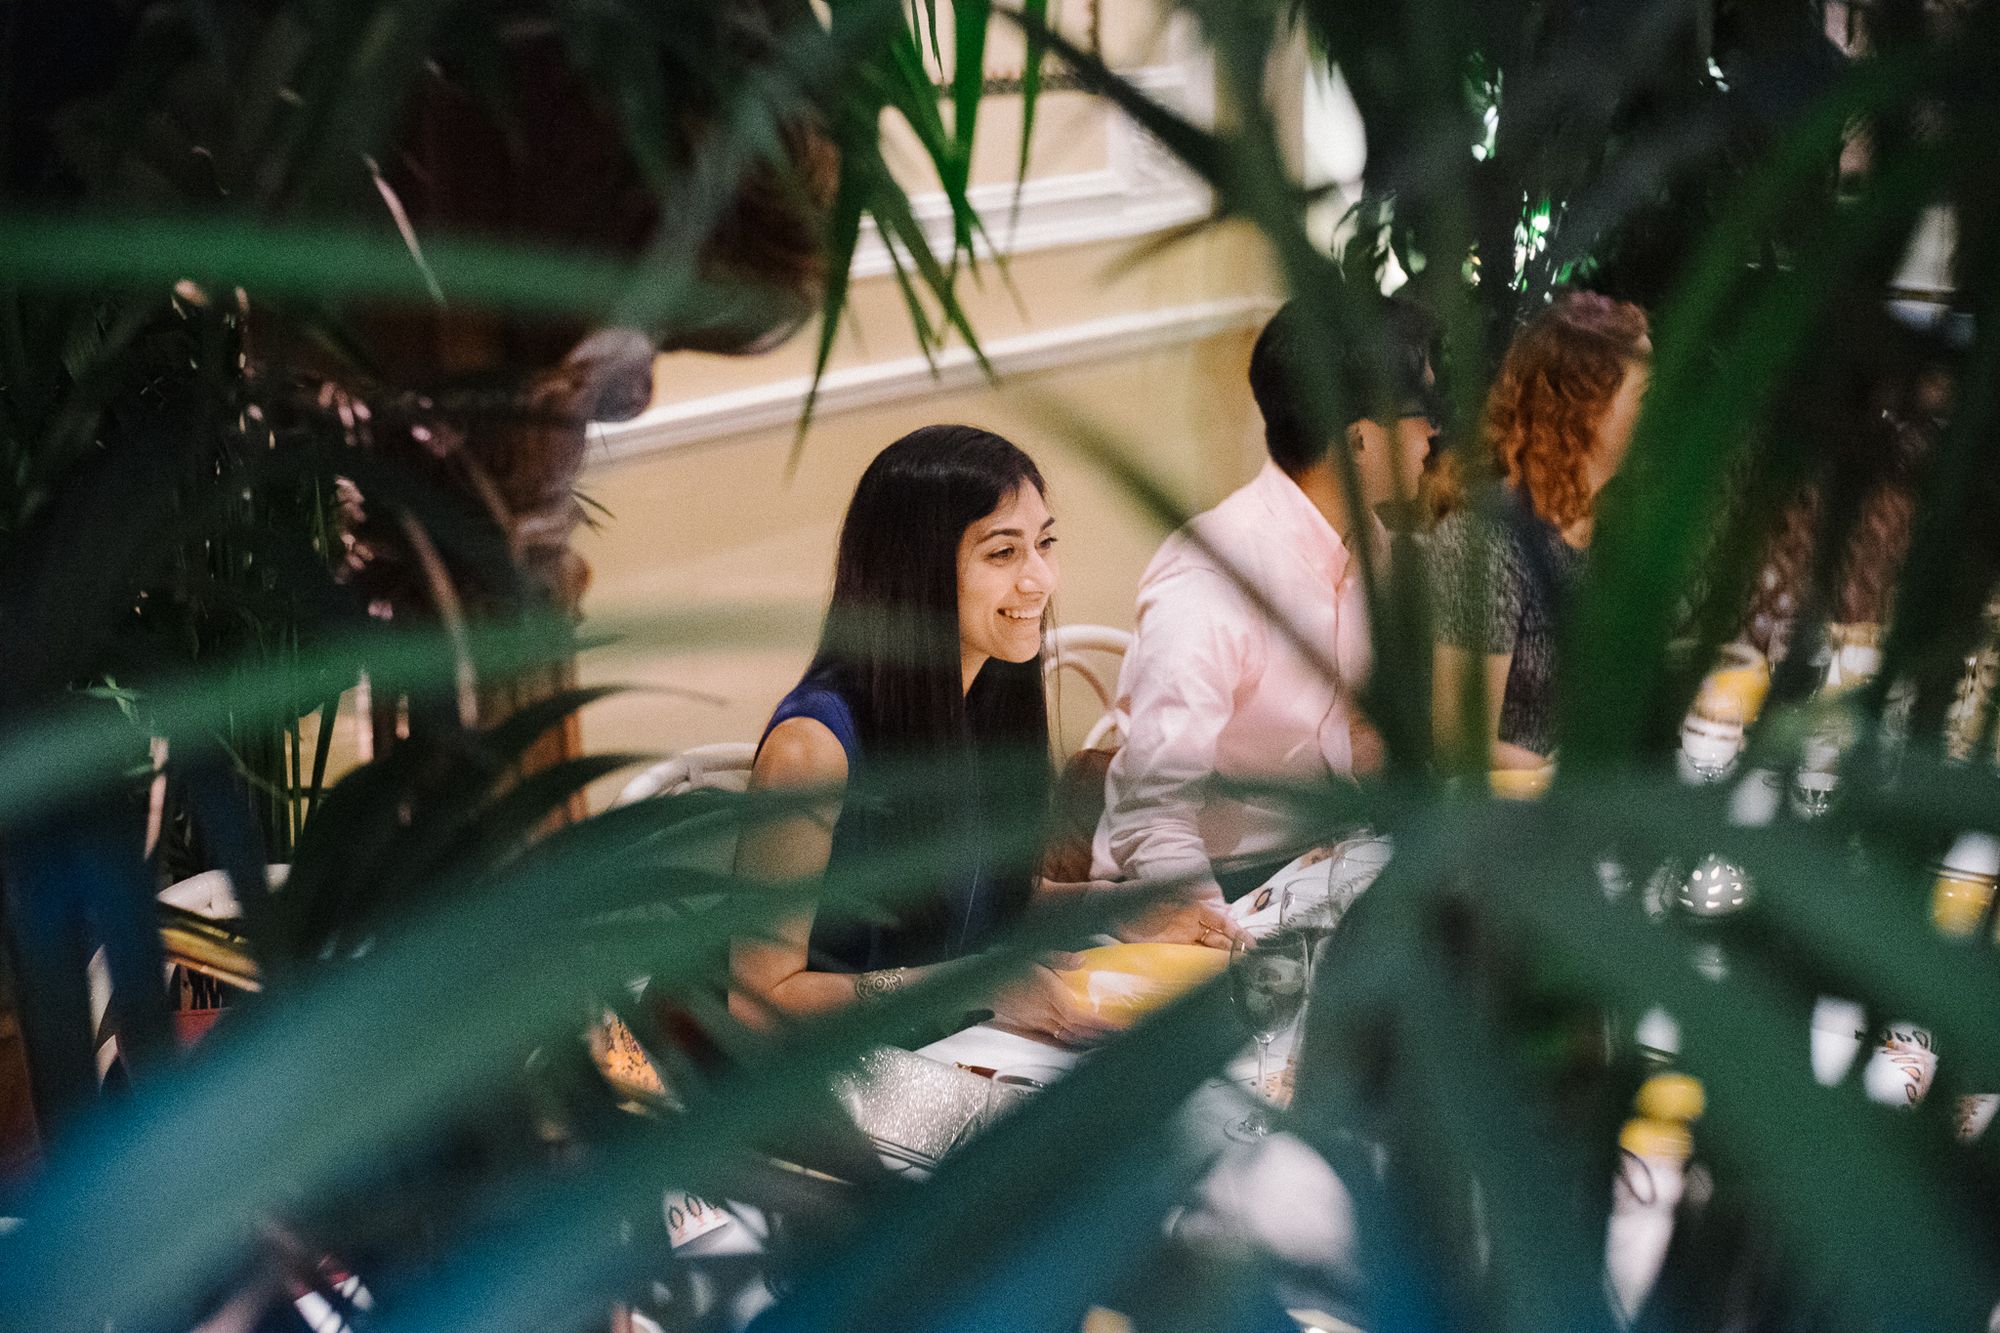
x,y
875,985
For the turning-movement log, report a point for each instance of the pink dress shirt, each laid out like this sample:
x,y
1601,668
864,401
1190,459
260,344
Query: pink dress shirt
x,y
1212,687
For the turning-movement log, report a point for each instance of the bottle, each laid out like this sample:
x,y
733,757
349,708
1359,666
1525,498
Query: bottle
x,y
1655,1146
1963,893
1720,1271
1706,901
1645,1195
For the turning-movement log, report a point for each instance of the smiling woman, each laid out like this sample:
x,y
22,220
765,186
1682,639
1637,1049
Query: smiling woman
x,y
949,528
1006,575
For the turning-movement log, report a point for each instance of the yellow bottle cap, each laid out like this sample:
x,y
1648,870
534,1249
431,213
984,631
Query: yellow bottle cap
x,y
1958,901
1671,1096
1644,1137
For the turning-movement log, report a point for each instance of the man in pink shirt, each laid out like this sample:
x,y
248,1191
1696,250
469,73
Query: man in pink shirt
x,y
1213,687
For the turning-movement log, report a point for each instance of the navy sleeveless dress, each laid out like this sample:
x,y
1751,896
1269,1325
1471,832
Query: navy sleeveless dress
x,y
961,914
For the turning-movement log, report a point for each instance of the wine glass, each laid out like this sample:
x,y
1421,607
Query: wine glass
x,y
1007,1088
1351,870
1267,983
1311,915
1817,777
1812,792
1711,736
1315,914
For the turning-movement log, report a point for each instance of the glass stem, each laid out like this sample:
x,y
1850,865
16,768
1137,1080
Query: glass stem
x,y
1263,1053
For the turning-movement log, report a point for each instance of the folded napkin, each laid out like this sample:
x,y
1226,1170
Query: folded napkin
x,y
1307,879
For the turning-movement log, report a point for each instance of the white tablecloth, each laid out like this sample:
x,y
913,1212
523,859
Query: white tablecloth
x,y
1276,1193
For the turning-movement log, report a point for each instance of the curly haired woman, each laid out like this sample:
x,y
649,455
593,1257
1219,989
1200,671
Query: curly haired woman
x,y
1558,421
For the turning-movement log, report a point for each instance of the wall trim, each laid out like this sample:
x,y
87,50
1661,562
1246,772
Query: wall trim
x,y
854,388
1141,189
1079,208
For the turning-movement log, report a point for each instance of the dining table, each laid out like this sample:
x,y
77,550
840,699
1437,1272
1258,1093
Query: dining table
x,y
1273,1193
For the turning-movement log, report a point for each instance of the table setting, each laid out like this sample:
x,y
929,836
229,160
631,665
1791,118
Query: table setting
x,y
1296,908
1266,1189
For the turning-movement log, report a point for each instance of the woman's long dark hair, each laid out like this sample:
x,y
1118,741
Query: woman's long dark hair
x,y
891,640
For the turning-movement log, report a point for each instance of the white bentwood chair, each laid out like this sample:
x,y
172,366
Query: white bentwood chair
x,y
1079,649
721,767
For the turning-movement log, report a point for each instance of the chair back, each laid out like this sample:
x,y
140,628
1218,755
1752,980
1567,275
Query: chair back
x,y
1094,653
722,767
1082,650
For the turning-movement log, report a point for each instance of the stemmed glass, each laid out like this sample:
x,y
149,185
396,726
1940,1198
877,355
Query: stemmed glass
x,y
1349,872
1817,776
1712,735
1812,792
1007,1089
1267,983
1014,1084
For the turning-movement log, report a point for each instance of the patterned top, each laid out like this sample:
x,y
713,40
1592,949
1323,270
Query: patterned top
x,y
1500,580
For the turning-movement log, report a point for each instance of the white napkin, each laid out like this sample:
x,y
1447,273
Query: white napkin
x,y
1258,910
1306,878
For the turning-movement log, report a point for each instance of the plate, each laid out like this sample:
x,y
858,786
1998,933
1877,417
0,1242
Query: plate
x,y
1124,982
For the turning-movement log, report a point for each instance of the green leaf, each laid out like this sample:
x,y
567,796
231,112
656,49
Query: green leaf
x,y
844,234
970,19
1035,17
84,251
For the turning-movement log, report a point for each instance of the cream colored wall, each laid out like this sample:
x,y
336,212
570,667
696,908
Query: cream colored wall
x,y
705,524
719,522
1148,344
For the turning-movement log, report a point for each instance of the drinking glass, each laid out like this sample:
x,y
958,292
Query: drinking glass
x,y
1812,792
1268,986
1817,776
1313,913
1351,870
1711,736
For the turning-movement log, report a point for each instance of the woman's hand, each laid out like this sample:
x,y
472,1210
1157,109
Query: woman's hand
x,y
1041,1003
1183,922
1180,921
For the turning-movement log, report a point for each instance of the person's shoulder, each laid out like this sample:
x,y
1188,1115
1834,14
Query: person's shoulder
x,y
817,695
1245,510
1199,566
820,698
1454,527
1458,534
1233,535
801,751
1496,516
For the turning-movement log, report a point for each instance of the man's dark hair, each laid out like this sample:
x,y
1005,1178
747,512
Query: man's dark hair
x,y
1387,376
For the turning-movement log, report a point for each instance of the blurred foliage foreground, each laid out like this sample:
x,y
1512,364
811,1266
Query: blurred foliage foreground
x,y
300,323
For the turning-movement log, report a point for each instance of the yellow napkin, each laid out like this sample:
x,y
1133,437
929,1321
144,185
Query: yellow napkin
x,y
1521,784
1124,982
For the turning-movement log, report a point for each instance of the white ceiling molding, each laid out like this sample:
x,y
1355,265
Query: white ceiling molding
x,y
1141,190
853,388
